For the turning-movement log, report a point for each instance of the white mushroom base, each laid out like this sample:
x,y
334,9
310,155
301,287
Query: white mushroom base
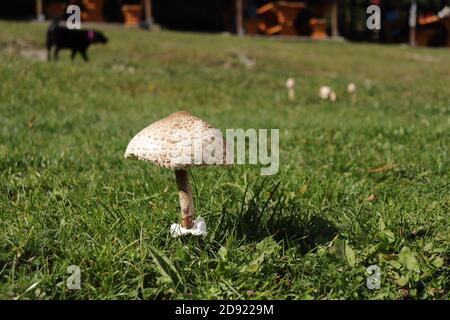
x,y
199,228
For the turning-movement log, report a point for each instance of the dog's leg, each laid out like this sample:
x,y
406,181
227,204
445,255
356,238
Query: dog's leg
x,y
49,45
49,53
84,54
56,54
74,52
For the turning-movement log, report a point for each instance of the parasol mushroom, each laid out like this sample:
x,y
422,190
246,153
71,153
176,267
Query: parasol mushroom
x,y
290,84
180,142
326,93
351,89
333,96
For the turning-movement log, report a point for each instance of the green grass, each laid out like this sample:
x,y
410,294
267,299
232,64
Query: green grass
x,y
67,196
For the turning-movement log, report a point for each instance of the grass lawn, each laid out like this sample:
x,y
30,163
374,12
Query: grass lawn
x,y
67,196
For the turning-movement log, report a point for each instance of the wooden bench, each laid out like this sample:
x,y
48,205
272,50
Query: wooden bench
x,y
132,14
319,28
279,17
426,29
92,10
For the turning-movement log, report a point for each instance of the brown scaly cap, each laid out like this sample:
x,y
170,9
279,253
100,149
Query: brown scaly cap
x,y
172,143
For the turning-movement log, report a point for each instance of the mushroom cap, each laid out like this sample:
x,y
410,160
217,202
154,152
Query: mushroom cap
x,y
180,141
351,88
325,92
290,83
333,96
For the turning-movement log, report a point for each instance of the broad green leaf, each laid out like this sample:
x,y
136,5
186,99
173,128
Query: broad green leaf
x,y
268,246
166,267
403,281
395,264
253,267
403,254
390,237
350,255
345,252
223,253
438,262
428,247
414,276
408,259
381,225
411,263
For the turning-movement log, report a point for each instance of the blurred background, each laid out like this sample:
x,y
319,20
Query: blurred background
x,y
319,19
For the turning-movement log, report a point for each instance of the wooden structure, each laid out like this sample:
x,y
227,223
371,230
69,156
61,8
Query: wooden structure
x,y
289,12
270,19
427,29
319,27
279,17
54,10
148,11
239,18
334,18
39,11
412,23
132,14
92,10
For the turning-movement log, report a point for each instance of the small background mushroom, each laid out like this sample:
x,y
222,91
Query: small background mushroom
x,y
351,89
327,93
290,84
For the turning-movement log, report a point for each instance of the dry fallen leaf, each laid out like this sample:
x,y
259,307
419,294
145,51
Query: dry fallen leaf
x,y
31,121
250,293
371,198
404,293
151,87
386,167
303,188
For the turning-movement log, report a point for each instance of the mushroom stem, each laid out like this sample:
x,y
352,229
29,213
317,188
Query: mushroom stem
x,y
291,94
186,199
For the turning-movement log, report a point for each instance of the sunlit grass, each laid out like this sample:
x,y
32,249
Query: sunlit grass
x,y
67,196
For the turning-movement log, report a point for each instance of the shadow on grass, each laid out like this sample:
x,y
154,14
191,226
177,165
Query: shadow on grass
x,y
275,215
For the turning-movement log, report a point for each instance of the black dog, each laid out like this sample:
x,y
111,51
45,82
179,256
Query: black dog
x,y
76,40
